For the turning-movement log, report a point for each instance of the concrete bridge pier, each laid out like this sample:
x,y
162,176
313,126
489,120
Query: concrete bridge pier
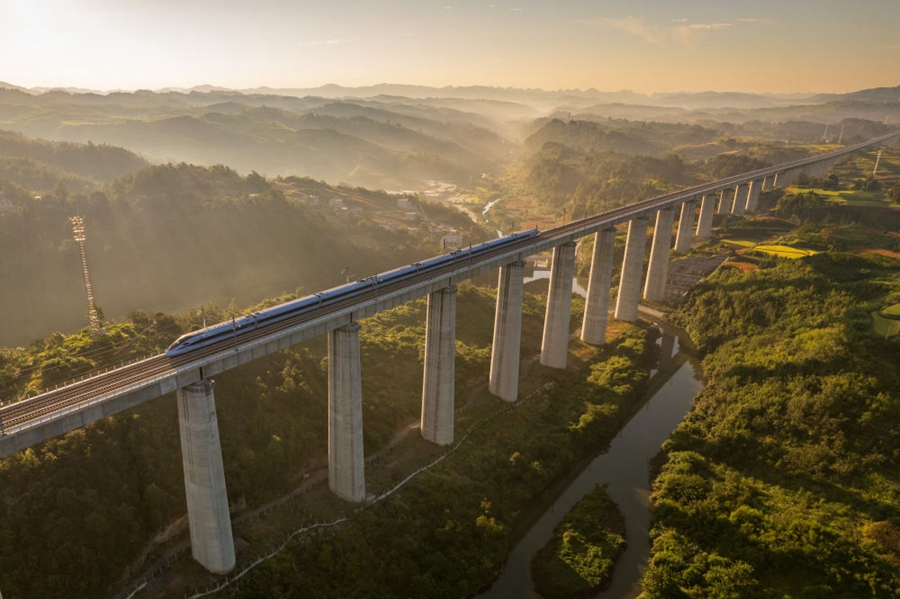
x,y
212,544
685,228
768,183
346,464
704,222
784,178
655,285
504,378
818,169
740,199
753,195
596,307
555,342
440,355
632,266
727,199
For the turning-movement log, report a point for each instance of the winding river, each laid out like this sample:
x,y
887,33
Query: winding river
x,y
624,468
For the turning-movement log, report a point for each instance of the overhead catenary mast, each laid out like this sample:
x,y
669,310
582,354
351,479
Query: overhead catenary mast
x,y
93,314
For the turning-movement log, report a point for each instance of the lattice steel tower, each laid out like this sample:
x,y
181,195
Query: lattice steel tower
x,y
93,314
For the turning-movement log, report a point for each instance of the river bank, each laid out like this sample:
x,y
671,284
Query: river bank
x,y
624,467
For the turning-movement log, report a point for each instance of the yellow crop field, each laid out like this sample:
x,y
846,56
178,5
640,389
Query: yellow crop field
x,y
740,242
784,251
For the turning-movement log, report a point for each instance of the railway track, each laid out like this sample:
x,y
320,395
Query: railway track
x,y
81,393
84,392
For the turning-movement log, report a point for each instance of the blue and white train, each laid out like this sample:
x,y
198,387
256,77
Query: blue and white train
x,y
234,328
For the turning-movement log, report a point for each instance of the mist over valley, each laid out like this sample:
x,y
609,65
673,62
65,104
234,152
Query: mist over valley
x,y
210,204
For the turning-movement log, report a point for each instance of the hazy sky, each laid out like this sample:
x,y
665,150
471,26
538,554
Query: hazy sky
x,y
642,45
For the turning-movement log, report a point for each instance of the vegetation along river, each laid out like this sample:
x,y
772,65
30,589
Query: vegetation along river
x,y
625,468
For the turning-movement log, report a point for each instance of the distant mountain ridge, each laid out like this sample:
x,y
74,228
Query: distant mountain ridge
x,y
386,143
705,99
709,98
886,95
421,92
383,136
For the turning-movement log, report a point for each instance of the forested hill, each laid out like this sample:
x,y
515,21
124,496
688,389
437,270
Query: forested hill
x,y
590,133
627,137
579,167
88,513
40,165
783,481
396,136
385,143
174,237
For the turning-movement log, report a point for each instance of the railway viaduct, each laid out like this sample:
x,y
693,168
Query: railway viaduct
x,y
55,412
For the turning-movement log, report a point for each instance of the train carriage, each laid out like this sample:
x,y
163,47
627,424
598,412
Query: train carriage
x,y
237,326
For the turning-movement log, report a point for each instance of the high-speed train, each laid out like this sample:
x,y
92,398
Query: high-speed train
x,y
234,328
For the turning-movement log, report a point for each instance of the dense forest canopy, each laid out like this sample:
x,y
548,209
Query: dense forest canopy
x,y
123,473
175,236
782,482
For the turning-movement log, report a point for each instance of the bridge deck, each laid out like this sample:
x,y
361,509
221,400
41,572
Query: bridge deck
x,y
53,413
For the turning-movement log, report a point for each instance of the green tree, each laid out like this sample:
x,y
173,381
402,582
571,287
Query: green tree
x,y
894,193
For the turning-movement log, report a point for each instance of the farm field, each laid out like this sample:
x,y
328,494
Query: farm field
x,y
782,251
850,197
892,312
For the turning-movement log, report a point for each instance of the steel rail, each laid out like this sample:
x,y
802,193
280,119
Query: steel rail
x,y
71,397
